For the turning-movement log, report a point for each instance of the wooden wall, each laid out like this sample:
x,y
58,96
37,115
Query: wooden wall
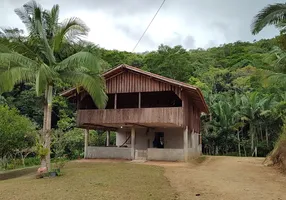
x,y
172,117
127,82
191,114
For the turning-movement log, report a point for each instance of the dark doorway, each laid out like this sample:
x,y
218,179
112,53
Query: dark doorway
x,y
158,141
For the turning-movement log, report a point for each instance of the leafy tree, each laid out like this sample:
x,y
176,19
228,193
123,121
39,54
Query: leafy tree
x,y
170,62
17,133
35,60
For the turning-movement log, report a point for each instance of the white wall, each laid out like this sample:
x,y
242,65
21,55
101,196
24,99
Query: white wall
x,y
108,152
173,138
165,154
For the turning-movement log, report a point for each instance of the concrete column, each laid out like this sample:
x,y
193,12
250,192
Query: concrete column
x,y
86,138
186,150
107,138
194,141
133,143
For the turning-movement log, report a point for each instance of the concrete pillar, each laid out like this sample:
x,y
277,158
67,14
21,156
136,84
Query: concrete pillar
x,y
133,143
86,138
186,150
107,138
194,141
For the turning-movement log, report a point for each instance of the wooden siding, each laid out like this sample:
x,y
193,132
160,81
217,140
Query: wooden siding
x,y
191,114
140,116
128,82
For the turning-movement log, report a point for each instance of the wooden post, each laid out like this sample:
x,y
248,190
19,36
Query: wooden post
x,y
133,143
115,101
77,100
107,138
186,150
139,106
86,138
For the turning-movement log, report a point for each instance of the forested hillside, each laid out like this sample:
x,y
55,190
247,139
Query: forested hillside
x,y
242,82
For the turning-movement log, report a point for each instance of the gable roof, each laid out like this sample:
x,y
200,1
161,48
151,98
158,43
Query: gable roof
x,y
194,91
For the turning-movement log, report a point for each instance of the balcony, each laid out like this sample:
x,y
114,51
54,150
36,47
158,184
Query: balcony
x,y
151,117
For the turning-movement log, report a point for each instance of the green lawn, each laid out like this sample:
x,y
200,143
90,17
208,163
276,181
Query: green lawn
x,y
93,181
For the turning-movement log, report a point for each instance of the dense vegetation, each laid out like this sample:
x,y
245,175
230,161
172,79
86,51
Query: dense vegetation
x,y
243,84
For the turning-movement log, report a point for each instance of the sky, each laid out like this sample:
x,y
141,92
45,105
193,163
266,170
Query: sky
x,y
118,24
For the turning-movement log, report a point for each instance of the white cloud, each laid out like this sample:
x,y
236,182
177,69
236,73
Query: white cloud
x,y
190,23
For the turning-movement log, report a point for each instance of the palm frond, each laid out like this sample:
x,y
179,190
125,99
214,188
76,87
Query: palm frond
x,y
93,84
27,47
11,33
42,33
18,59
4,48
27,15
13,76
278,78
270,15
71,30
51,19
80,59
44,76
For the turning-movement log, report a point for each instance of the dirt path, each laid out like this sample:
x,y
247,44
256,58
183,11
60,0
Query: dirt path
x,y
227,178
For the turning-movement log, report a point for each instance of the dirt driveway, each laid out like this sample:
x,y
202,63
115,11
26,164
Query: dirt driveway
x,y
227,178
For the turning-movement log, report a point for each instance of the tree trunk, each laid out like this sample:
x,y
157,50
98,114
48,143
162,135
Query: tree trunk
x,y
252,138
47,125
244,150
216,150
239,153
266,136
261,134
23,160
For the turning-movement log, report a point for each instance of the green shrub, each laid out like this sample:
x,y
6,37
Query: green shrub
x,y
32,161
10,166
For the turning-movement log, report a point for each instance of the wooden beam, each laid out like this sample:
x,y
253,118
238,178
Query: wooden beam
x,y
115,101
139,106
138,125
77,100
95,126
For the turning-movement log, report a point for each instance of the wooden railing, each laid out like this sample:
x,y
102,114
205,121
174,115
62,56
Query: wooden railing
x,y
172,116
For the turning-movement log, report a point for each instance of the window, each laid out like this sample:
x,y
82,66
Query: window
x,y
160,99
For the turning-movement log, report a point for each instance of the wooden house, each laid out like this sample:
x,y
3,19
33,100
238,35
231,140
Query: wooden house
x,y
154,117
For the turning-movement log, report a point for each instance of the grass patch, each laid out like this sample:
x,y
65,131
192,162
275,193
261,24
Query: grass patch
x,y
17,172
199,160
93,181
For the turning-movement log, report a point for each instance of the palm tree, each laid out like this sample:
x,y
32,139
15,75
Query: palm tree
x,y
227,120
34,60
270,15
252,106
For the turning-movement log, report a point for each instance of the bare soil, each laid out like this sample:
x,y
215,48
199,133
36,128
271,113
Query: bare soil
x,y
229,178
207,178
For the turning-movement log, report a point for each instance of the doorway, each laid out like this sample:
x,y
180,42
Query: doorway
x,y
158,141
